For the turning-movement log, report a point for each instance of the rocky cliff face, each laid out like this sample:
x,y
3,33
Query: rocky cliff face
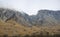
x,y
43,17
47,17
19,17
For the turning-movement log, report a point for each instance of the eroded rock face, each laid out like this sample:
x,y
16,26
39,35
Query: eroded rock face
x,y
43,17
47,17
7,14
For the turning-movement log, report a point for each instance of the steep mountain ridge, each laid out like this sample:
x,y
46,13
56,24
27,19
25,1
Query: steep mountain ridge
x,y
7,14
47,17
43,17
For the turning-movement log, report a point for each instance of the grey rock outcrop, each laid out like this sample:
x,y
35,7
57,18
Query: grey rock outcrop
x,y
19,17
47,17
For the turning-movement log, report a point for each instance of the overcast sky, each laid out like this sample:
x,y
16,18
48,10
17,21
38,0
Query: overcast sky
x,y
31,6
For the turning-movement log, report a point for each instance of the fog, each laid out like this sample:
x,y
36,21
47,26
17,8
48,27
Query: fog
x,y
31,6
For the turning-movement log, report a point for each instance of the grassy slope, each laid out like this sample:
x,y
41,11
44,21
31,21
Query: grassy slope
x,y
12,28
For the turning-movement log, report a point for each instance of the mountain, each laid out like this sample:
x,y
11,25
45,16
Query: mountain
x,y
46,18
19,17
19,24
43,17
